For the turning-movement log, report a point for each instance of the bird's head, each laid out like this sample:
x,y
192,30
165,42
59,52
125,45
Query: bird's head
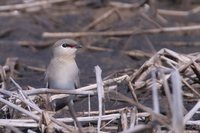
x,y
65,48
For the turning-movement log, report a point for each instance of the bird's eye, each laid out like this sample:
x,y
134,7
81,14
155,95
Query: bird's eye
x,y
65,45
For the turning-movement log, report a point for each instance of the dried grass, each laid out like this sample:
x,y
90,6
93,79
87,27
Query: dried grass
x,y
168,72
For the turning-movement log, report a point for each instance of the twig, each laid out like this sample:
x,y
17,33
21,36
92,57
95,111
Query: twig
x,y
196,69
28,5
32,123
89,105
179,13
122,33
101,99
118,96
6,32
60,123
124,121
14,129
166,88
155,93
55,91
190,87
24,96
131,53
80,91
191,112
3,77
137,53
193,123
30,131
123,5
112,112
113,116
106,82
136,129
172,12
28,43
132,90
134,117
34,68
99,19
177,103
31,104
95,48
35,117
104,126
179,43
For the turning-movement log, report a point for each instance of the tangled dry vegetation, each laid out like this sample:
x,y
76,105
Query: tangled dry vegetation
x,y
166,75
168,79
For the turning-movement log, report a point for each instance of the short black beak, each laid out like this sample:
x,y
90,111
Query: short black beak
x,y
79,46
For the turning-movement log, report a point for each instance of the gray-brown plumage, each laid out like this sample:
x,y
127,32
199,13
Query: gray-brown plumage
x,y
63,73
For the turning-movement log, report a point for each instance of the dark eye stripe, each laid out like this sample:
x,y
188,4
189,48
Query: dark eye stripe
x,y
67,45
64,45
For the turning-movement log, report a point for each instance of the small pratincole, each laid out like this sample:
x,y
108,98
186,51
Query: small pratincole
x,y
63,73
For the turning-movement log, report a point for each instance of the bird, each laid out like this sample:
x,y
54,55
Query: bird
x,y
63,74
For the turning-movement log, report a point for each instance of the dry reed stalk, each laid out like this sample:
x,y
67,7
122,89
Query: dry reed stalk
x,y
190,87
28,43
29,5
24,96
191,112
137,128
33,116
131,53
186,64
122,5
179,43
32,123
99,19
159,11
13,129
124,120
55,91
120,97
156,106
179,13
132,90
193,123
95,48
196,68
122,33
143,114
134,117
155,73
34,68
166,89
173,12
101,97
30,131
137,53
106,82
177,103
3,77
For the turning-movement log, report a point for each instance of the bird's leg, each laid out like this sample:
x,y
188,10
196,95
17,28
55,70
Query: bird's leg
x,y
72,112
